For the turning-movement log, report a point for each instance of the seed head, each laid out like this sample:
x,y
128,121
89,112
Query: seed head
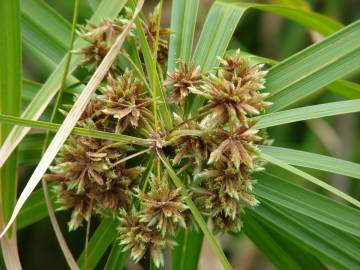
x,y
184,77
162,207
125,101
137,237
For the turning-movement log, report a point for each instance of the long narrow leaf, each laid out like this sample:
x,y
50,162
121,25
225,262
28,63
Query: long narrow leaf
x,y
308,203
301,230
183,21
308,112
78,131
313,68
104,235
311,178
10,103
314,161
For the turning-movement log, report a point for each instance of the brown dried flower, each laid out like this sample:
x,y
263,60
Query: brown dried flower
x,y
162,207
125,100
233,94
137,237
184,77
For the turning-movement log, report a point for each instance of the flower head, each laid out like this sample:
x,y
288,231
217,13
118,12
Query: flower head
x,y
181,79
137,237
238,145
162,207
234,93
125,101
100,39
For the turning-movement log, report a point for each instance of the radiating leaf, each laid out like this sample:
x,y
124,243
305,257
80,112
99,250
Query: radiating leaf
x,y
314,67
197,215
345,88
10,103
104,235
34,209
314,161
310,178
308,203
267,244
183,21
117,258
308,112
302,230
78,131
45,29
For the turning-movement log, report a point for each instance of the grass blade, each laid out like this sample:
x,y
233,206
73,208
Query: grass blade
x,y
311,178
107,8
104,235
117,258
347,89
45,29
314,161
313,68
153,75
71,119
197,216
10,103
308,112
268,245
78,131
183,22
313,237
311,204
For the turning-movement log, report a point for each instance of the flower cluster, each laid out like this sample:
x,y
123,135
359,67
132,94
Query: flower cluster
x,y
150,228
224,146
215,148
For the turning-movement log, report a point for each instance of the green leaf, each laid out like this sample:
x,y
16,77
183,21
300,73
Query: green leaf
x,y
183,22
153,75
310,178
347,89
314,67
45,29
311,20
78,131
314,237
35,209
107,8
314,161
185,255
268,245
308,203
308,112
293,249
104,235
117,258
10,103
197,215
10,93
214,40
344,88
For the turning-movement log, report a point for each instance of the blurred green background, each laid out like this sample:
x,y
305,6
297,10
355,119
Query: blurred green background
x,y
259,33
